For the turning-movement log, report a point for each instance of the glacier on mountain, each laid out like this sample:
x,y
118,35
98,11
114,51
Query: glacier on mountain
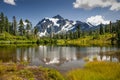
x,y
58,25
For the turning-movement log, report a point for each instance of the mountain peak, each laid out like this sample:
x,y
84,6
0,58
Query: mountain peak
x,y
58,16
58,25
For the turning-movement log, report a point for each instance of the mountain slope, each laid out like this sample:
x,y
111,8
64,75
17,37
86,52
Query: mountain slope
x,y
58,24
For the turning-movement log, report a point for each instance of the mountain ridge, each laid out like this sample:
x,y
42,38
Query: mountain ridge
x,y
58,24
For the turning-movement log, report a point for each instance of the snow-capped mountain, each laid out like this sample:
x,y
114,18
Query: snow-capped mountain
x,y
58,24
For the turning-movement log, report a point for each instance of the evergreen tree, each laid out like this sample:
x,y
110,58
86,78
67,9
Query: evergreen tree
x,y
6,24
35,31
118,37
66,35
118,31
107,29
14,25
2,23
118,26
101,29
84,33
28,26
21,27
71,35
90,32
11,28
110,27
78,32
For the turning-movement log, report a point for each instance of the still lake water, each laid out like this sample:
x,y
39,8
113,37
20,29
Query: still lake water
x,y
63,58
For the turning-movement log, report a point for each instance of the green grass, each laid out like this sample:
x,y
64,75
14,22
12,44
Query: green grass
x,y
6,38
100,40
96,71
93,40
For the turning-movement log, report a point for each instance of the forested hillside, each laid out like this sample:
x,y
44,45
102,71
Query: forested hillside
x,y
23,30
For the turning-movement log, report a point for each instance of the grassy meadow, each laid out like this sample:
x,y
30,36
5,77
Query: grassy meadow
x,y
96,71
99,40
12,71
93,40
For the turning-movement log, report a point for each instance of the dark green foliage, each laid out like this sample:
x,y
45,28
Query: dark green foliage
x,y
2,23
118,26
46,41
71,35
101,29
11,31
118,37
110,27
118,31
14,25
78,31
6,24
21,27
107,29
35,31
12,28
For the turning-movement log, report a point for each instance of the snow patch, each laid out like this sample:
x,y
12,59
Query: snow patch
x,y
74,23
44,21
68,26
54,20
41,34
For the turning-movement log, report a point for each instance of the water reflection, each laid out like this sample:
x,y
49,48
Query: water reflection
x,y
58,56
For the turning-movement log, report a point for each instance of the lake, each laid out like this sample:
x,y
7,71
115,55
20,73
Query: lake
x,y
63,58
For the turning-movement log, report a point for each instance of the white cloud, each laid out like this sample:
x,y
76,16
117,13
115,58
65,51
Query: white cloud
x,y
11,2
96,20
90,4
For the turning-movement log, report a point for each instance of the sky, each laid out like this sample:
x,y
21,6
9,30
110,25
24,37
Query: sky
x,y
93,11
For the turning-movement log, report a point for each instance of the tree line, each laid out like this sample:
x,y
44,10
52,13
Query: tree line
x,y
25,28
111,28
21,28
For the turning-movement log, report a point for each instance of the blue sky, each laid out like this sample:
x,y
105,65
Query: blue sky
x,y
83,10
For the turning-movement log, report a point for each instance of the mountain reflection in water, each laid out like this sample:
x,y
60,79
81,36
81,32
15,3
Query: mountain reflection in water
x,y
57,56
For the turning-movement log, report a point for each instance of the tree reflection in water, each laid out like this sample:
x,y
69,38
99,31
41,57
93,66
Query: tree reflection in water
x,y
57,55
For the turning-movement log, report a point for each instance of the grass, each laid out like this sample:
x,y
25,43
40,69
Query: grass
x,y
93,40
12,71
6,38
92,71
101,40
96,71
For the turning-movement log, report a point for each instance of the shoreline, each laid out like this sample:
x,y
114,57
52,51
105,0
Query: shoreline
x,y
92,70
